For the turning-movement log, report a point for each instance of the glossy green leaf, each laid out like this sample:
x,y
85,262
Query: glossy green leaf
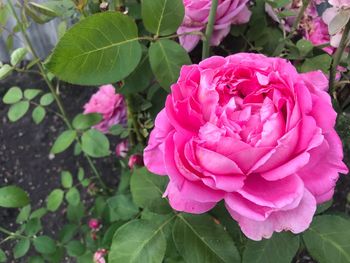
x,y
33,226
138,241
166,59
200,240
281,248
44,245
328,239
18,110
13,95
100,49
73,196
5,71
84,121
63,141
75,248
21,248
43,9
3,257
147,190
162,17
18,55
54,200
95,143
46,99
38,114
66,179
30,94
23,214
13,197
121,207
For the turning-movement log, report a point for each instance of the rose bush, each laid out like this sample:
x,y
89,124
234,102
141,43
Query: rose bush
x,y
252,131
196,18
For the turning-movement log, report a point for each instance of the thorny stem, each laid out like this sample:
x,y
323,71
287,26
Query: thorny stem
x,y
209,29
337,57
52,90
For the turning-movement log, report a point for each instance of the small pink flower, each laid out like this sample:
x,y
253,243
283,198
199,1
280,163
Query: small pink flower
x,y
94,224
99,256
110,105
135,159
122,149
197,14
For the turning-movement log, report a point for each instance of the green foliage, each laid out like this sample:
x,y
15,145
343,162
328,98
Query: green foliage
x,y
18,55
166,58
63,141
38,114
54,200
147,190
5,70
66,179
162,17
30,94
44,245
328,239
138,241
85,121
122,207
73,196
13,95
21,248
12,197
95,143
281,248
46,99
3,257
200,239
18,110
100,49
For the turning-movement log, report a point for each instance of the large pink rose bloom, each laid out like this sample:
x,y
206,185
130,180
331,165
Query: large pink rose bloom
x,y
252,131
196,18
110,105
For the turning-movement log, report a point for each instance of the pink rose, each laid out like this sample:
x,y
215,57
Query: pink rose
x,y
317,34
99,256
122,149
135,159
196,18
94,224
252,131
110,105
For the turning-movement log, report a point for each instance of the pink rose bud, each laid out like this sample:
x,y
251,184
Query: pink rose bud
x,y
110,105
122,149
94,224
135,159
229,12
99,256
251,131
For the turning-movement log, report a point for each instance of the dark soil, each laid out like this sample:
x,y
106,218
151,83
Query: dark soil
x,y
25,159
24,153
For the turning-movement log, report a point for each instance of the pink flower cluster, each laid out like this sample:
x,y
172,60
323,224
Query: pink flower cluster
x,y
196,18
252,131
110,105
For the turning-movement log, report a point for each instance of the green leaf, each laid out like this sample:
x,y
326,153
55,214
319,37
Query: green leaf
x,y
67,233
33,226
75,248
43,9
46,99
38,114
138,241
73,196
23,214
44,245
36,259
281,248
322,62
81,174
13,197
18,110
147,190
328,239
5,70
54,200
304,46
162,17
17,55
140,79
30,94
121,207
166,59
95,143
108,235
39,213
21,248
84,121
200,239
13,95
66,179
64,140
2,256
75,213
324,207
100,49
